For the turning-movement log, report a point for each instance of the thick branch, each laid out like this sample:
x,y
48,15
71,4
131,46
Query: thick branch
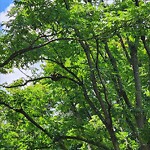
x,y
138,90
31,48
58,138
85,140
95,110
108,120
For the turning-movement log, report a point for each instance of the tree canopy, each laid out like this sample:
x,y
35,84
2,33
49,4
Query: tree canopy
x,y
94,91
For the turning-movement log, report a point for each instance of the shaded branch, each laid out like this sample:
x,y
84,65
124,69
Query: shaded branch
x,y
26,82
31,48
91,104
66,4
99,74
94,108
136,2
86,49
107,116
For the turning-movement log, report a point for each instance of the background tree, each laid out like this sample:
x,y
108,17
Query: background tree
x,y
94,91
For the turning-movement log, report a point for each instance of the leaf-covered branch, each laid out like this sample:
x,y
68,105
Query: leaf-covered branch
x,y
27,117
101,146
30,48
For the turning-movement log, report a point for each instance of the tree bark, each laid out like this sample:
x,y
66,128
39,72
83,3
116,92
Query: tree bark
x,y
138,89
138,92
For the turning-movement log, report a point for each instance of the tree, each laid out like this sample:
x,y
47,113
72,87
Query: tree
x,y
94,91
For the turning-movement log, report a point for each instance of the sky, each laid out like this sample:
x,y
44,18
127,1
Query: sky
x,y
5,6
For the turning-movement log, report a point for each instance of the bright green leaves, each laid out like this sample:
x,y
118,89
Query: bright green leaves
x,y
147,93
34,101
84,18
68,62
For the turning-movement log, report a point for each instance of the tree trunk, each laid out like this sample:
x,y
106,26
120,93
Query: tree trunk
x,y
138,90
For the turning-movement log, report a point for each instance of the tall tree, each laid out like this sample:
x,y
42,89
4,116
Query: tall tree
x,y
94,90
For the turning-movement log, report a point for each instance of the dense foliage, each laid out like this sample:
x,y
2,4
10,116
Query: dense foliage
x,y
94,92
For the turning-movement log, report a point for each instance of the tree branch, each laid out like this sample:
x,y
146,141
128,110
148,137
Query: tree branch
x,y
120,88
28,118
58,137
63,66
84,140
86,49
30,48
124,48
40,78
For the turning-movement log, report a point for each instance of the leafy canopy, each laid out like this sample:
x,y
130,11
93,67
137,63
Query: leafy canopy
x,y
94,90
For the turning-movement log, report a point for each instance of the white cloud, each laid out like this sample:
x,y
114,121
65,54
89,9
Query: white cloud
x,y
3,14
9,78
17,74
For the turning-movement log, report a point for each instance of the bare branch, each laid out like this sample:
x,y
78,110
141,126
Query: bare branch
x,y
24,73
